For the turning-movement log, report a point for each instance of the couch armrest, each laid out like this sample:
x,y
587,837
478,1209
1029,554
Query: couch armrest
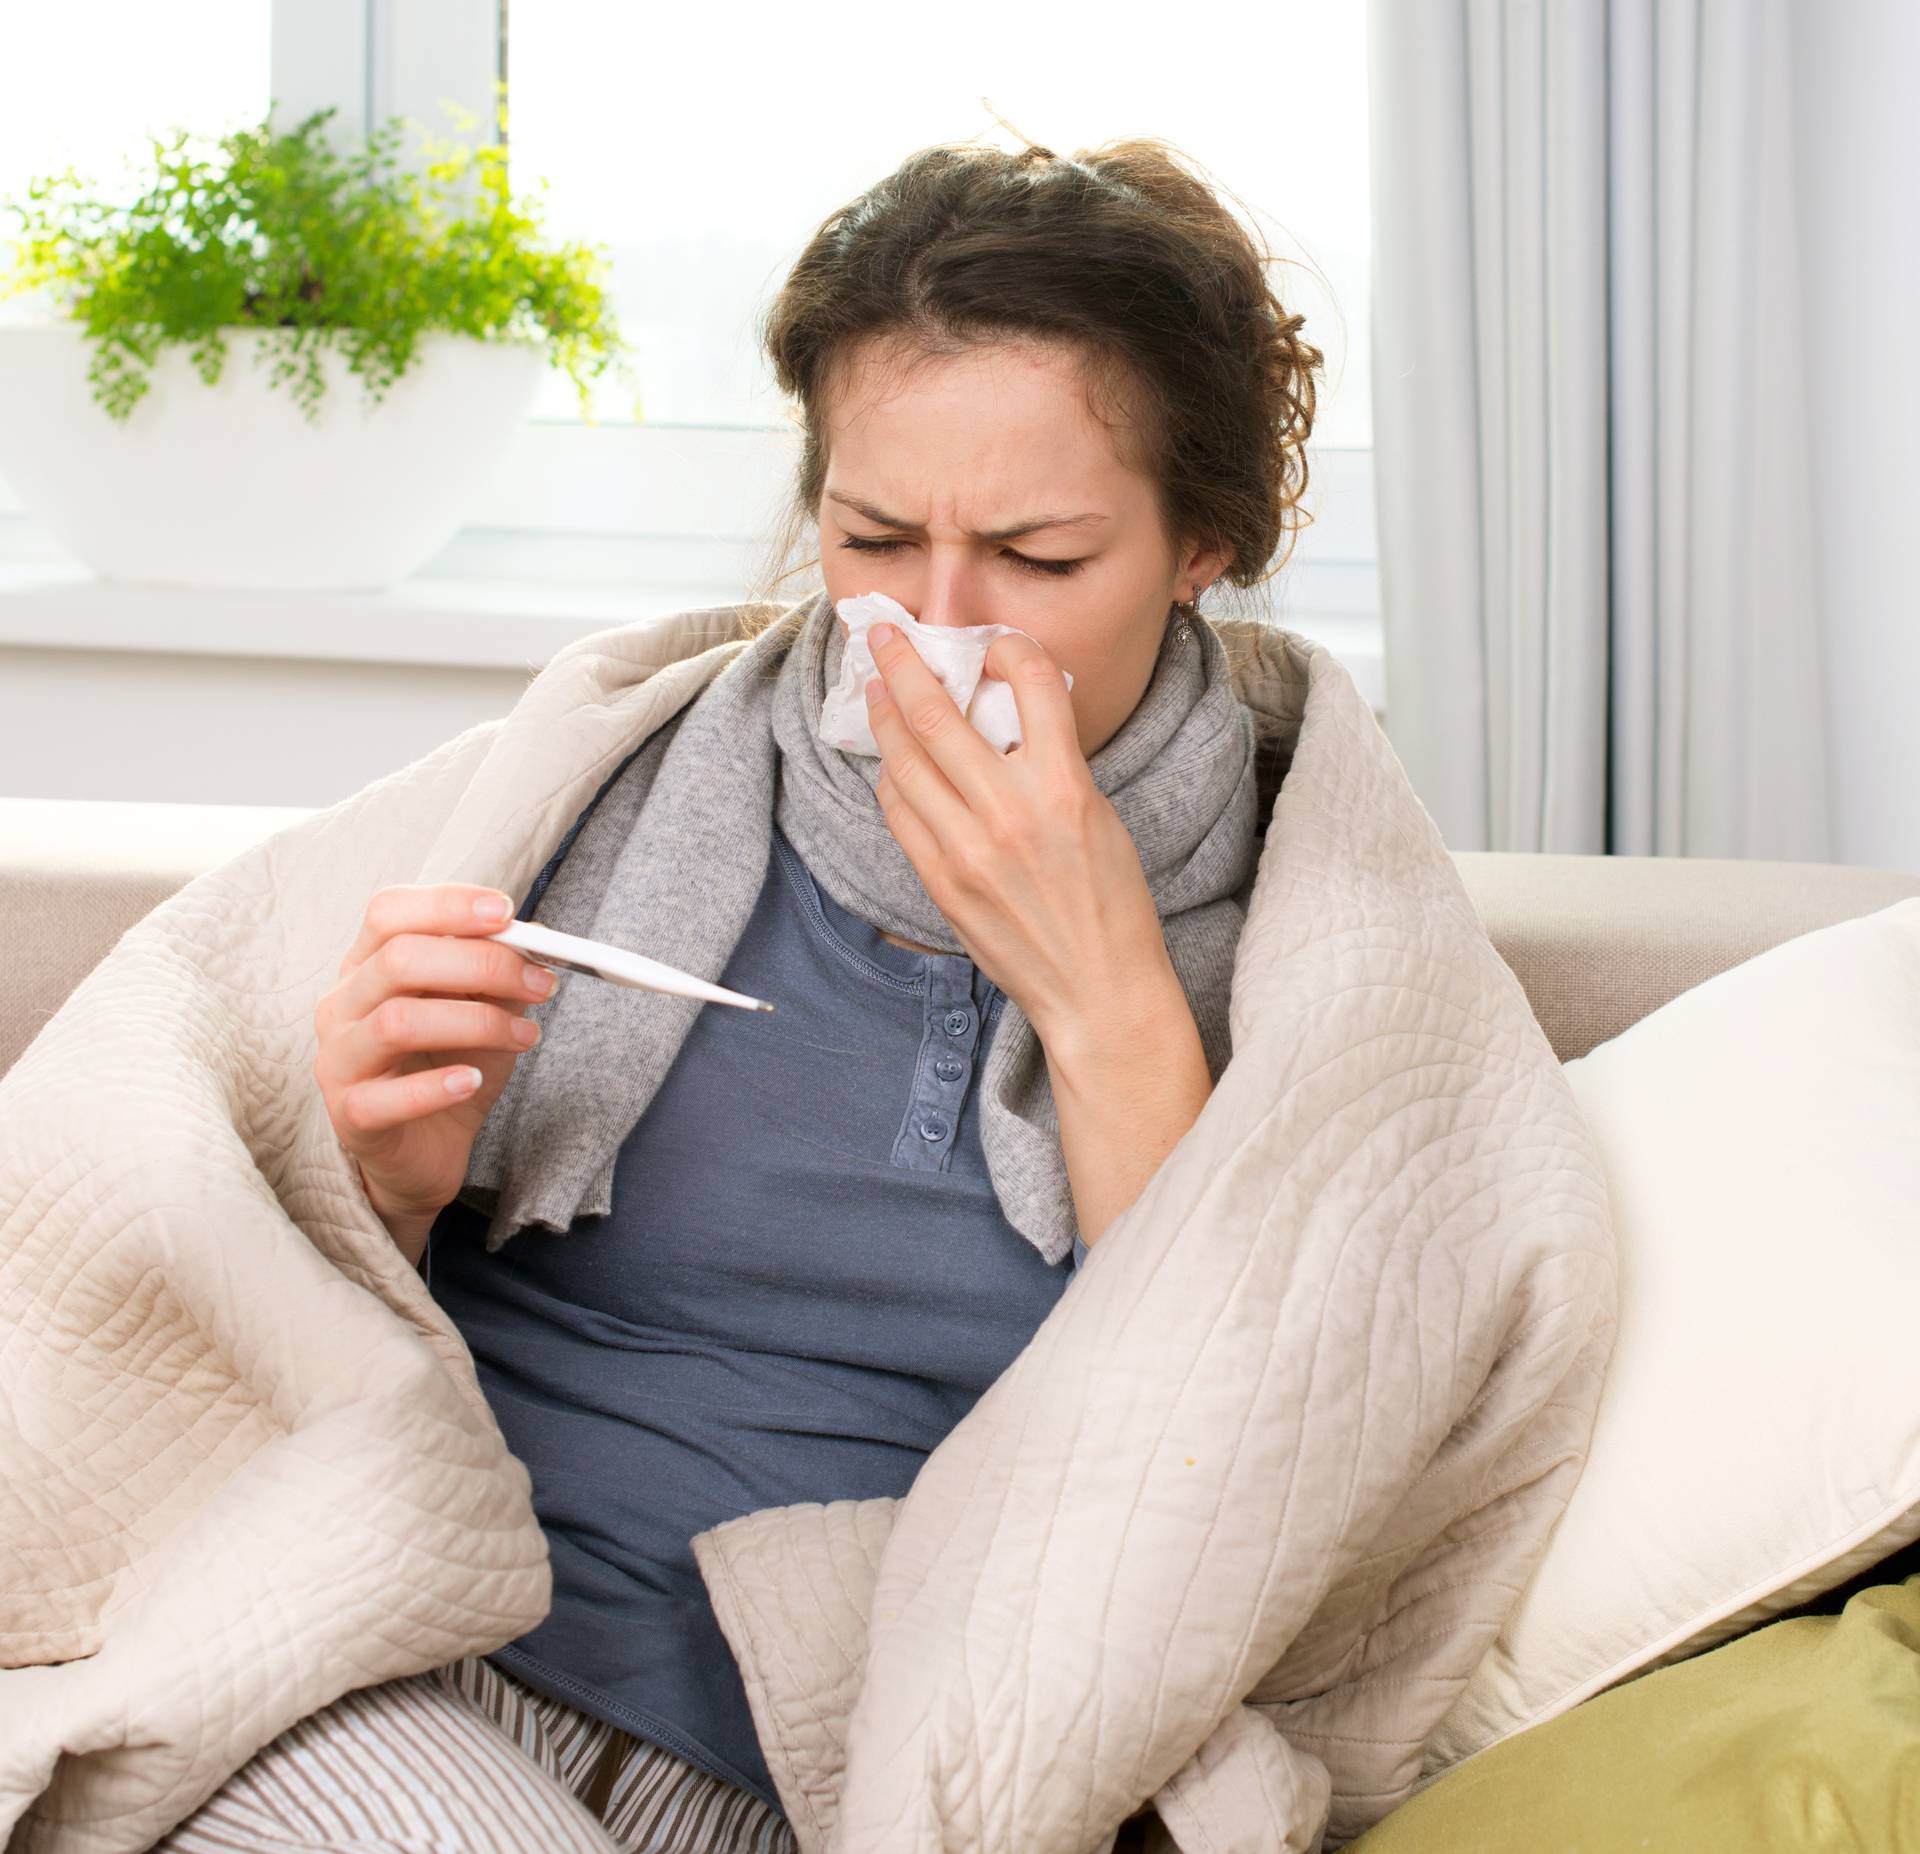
x,y
1600,941
76,873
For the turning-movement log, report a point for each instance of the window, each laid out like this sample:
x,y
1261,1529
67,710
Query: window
x,y
63,105
703,147
706,191
82,82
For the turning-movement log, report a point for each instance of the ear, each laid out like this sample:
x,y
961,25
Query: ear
x,y
1205,565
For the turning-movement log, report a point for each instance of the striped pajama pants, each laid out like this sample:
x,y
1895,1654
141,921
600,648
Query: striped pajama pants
x,y
465,1759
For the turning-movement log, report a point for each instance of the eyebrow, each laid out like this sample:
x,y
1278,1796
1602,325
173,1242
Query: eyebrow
x,y
991,534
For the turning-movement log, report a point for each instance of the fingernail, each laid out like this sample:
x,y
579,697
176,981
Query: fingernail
x,y
881,633
493,907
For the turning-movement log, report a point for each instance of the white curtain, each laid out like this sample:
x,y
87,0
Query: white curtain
x,y
1590,427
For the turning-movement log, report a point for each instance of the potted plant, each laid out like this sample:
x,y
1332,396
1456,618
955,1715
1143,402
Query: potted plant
x,y
129,431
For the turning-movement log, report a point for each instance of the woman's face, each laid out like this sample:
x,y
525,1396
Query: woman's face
x,y
930,468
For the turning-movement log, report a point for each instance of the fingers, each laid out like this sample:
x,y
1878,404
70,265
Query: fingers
x,y
405,1025
428,1014
371,1106
459,964
1048,729
413,993
935,754
431,907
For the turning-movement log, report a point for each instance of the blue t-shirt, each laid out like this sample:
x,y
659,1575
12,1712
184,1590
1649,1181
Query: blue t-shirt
x,y
805,1283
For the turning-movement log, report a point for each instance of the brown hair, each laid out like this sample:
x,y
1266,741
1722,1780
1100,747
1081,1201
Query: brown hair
x,y
1119,252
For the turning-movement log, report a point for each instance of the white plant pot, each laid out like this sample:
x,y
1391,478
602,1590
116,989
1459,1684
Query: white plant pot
x,y
230,486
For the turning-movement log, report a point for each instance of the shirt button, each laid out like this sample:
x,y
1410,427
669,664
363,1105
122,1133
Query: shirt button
x,y
933,1129
948,1068
957,1023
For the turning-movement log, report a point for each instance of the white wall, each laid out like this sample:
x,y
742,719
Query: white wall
x,y
226,730
1857,131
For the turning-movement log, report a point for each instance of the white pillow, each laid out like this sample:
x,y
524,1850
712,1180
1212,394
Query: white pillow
x,y
1758,1435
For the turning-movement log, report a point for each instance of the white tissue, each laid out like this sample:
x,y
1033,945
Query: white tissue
x,y
956,654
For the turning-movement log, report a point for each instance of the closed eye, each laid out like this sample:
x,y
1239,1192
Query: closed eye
x,y
1057,568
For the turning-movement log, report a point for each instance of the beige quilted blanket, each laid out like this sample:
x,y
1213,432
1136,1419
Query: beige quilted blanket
x,y
1229,1535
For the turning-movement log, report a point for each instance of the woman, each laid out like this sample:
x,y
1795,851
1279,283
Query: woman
x,y
1052,394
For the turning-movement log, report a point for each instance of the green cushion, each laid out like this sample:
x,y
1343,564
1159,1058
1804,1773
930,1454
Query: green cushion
x,y
1800,1737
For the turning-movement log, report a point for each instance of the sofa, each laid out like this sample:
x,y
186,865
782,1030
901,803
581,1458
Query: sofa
x,y
1598,943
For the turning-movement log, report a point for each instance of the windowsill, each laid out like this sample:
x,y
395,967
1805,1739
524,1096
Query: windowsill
x,y
470,621
491,600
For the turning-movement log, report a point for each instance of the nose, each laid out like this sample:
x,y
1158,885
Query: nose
x,y
946,599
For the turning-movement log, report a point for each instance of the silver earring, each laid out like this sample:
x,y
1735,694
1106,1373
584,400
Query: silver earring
x,y
1182,631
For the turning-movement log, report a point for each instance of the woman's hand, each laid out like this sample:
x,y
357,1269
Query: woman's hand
x,y
416,1042
1021,851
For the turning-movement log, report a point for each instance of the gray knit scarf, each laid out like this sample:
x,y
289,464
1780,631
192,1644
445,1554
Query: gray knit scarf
x,y
671,854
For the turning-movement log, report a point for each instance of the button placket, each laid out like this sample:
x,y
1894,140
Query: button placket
x,y
951,1031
